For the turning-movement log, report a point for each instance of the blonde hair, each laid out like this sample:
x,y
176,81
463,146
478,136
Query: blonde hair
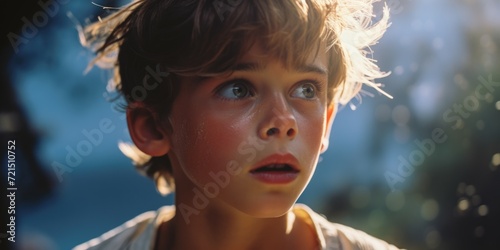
x,y
207,38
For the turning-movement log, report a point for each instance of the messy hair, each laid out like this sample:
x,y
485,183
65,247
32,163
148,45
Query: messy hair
x,y
149,44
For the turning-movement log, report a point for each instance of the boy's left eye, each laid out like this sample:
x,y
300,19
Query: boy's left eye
x,y
237,89
306,90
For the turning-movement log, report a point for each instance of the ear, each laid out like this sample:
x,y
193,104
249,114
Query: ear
x,y
330,116
147,132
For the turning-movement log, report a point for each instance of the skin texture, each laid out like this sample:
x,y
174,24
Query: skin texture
x,y
222,127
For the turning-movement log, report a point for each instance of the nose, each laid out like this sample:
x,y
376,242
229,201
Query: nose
x,y
278,121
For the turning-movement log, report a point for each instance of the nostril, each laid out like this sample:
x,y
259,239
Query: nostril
x,y
291,132
272,131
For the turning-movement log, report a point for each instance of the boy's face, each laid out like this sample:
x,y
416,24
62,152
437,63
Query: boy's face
x,y
228,132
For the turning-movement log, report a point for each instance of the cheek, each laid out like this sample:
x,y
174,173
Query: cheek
x,y
206,144
311,131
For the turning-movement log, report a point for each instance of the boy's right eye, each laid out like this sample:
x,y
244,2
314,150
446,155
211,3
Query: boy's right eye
x,y
234,90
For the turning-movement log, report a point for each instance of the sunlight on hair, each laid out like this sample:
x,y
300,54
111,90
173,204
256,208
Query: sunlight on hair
x,y
106,7
356,38
163,185
132,152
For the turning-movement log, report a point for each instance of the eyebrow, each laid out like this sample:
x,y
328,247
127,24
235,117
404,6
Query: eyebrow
x,y
309,68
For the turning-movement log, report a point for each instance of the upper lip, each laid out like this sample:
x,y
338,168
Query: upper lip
x,y
287,159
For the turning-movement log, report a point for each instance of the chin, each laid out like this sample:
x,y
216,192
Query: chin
x,y
271,207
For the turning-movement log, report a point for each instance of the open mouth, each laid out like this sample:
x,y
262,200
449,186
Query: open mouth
x,y
276,169
276,173
285,168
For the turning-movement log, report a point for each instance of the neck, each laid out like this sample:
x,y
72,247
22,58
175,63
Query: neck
x,y
219,227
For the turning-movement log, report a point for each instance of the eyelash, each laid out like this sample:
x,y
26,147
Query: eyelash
x,y
233,81
317,84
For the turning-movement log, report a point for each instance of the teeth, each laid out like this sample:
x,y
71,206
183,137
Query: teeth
x,y
277,166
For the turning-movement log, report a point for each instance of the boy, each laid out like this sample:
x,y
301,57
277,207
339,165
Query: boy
x,y
234,101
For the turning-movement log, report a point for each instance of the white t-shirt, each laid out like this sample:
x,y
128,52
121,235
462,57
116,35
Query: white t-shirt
x,y
139,233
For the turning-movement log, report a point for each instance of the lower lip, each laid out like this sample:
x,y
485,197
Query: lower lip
x,y
275,177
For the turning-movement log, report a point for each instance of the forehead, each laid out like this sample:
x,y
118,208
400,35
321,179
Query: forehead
x,y
257,57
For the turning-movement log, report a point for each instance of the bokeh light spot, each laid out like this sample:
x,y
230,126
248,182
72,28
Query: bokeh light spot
x,y
460,124
489,97
430,209
399,70
395,200
463,204
402,133
482,210
461,81
376,218
470,190
401,115
433,239
495,160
